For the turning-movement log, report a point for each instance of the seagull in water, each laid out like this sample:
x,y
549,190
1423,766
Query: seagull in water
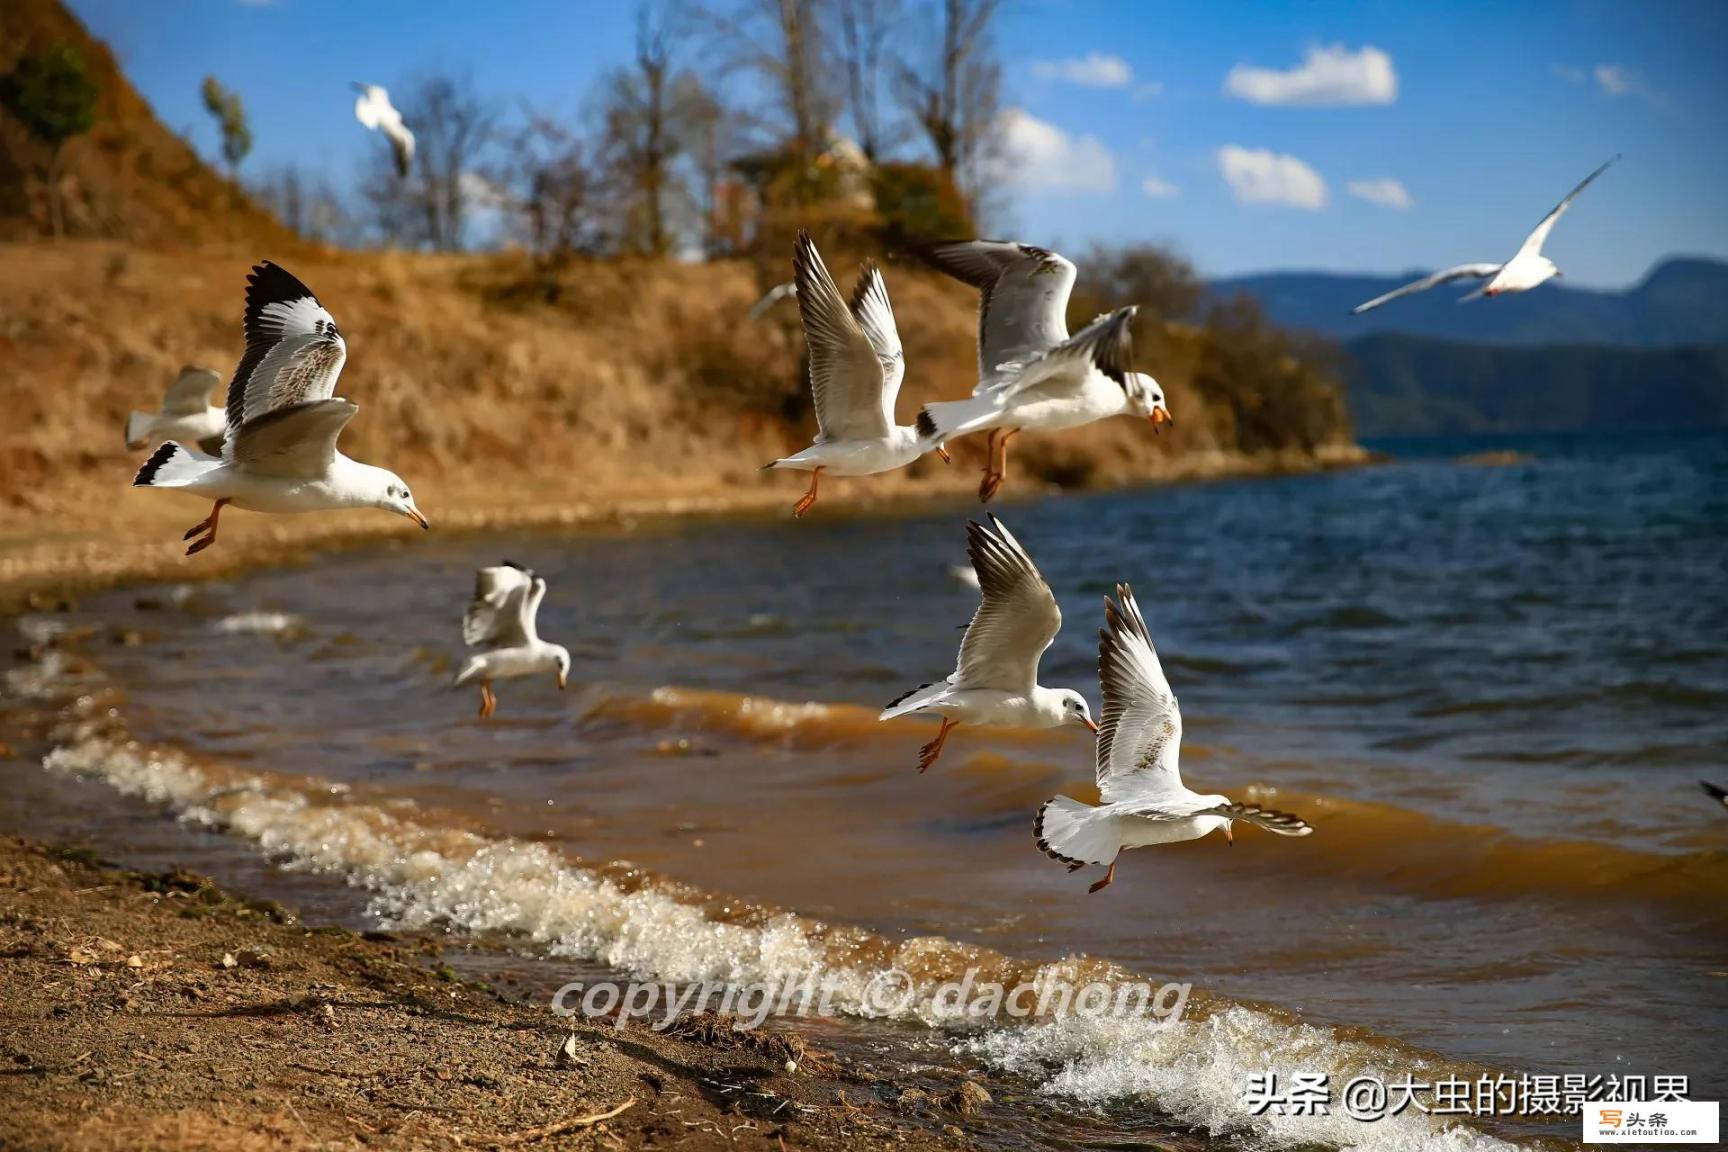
x,y
995,680
283,420
1031,373
500,621
856,365
186,414
1139,781
1524,271
374,110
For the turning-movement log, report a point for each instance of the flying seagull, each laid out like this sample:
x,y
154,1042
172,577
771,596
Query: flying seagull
x,y
499,622
770,298
1031,373
186,414
1524,271
374,110
1139,782
856,365
1715,792
283,421
995,681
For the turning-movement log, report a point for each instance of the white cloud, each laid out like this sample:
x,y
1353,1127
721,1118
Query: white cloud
x,y
1385,191
1159,189
1093,70
1040,157
1619,80
1262,176
1328,76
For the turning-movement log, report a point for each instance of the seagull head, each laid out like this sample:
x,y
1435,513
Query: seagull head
x,y
1146,398
392,495
1074,710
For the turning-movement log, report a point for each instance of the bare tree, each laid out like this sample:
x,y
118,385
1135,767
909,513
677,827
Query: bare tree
x,y
953,92
784,44
639,142
555,205
862,32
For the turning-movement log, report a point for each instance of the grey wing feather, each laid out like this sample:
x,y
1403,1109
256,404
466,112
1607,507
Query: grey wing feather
x,y
297,441
495,614
1461,272
1023,307
1140,724
1533,243
875,315
1283,823
770,298
846,377
1105,344
189,395
293,351
1016,620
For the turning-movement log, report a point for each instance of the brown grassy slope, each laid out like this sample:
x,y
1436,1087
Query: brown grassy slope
x,y
129,176
639,387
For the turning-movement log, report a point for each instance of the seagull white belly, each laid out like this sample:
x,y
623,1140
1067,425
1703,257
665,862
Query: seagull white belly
x,y
991,706
1099,398
1141,832
273,494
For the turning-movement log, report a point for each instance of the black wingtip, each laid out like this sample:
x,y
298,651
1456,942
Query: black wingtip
x,y
927,426
1714,791
147,474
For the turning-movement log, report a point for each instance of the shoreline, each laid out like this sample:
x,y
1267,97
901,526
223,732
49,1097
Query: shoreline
x,y
156,1010
39,570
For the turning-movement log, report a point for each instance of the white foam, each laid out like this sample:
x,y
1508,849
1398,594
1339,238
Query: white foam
x,y
257,624
1196,1070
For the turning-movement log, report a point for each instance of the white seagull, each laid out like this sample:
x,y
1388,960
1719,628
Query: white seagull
x,y
374,110
1031,373
995,681
500,621
283,420
1524,271
856,365
186,414
1139,781
770,298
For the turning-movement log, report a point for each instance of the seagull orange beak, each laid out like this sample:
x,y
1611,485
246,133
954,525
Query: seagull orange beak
x,y
414,515
1161,415
943,452
1090,726
561,681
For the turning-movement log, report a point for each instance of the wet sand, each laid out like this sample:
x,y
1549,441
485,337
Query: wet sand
x,y
148,1011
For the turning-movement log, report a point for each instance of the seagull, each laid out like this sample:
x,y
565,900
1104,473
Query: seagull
x,y
995,680
1139,781
1524,271
770,298
375,111
1715,792
500,622
856,365
283,420
186,414
1031,373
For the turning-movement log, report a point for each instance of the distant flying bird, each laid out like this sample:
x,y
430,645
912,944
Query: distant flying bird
x,y
186,414
1031,373
500,622
1716,793
375,111
770,298
1139,781
995,680
1524,271
856,365
280,453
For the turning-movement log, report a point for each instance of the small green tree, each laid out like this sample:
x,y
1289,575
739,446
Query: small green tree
x,y
52,95
230,117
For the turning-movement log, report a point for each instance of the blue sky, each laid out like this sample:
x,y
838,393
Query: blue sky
x,y
1247,123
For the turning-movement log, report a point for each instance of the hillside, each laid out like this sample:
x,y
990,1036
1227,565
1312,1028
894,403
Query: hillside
x,y
129,177
1410,385
1682,301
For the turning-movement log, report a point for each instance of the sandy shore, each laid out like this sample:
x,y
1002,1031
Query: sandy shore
x,y
155,1011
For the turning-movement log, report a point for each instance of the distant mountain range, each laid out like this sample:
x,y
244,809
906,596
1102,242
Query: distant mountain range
x,y
1683,300
1553,359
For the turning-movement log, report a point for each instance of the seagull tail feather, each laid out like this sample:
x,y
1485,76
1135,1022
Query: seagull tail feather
x,y
943,420
173,466
920,697
138,426
1076,833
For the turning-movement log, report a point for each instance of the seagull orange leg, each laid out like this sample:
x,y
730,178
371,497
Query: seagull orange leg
x,y
927,755
803,505
1108,876
488,702
987,487
999,473
206,528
